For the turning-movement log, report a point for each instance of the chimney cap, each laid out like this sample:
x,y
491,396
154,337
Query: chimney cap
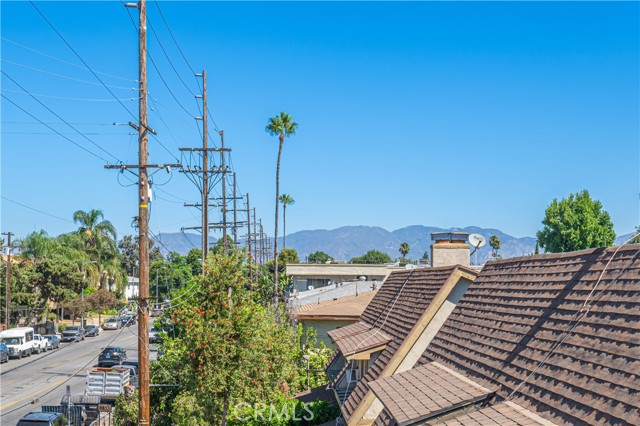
x,y
449,236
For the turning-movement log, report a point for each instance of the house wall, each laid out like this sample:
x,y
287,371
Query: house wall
x,y
322,327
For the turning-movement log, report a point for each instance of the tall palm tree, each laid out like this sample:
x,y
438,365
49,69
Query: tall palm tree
x,y
286,200
404,249
92,227
282,126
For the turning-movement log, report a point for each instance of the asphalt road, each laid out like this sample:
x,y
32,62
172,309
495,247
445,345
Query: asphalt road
x,y
37,380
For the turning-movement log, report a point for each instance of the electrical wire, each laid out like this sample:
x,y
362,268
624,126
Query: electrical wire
x,y
66,98
57,116
63,61
80,57
64,76
55,131
35,210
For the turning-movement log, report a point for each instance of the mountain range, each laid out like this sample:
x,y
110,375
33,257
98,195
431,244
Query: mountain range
x,y
350,241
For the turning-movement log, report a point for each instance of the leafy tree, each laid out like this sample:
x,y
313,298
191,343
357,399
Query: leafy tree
x,y
220,246
101,300
286,200
129,248
372,257
494,242
537,250
575,223
282,126
425,256
226,349
320,257
636,240
404,249
194,261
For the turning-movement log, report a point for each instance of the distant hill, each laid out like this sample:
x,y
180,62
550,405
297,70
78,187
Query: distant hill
x,y
350,241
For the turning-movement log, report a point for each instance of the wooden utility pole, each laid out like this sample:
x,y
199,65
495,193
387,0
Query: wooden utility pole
x,y
205,175
224,193
143,222
235,211
8,308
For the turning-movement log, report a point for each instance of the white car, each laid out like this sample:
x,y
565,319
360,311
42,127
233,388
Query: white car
x,y
40,344
111,324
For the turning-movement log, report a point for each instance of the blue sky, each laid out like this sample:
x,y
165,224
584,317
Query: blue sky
x,y
445,114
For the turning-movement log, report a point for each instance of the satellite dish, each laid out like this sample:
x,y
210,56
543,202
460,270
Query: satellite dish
x,y
477,240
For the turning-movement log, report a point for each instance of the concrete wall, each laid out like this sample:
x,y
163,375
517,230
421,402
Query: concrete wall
x,y
322,327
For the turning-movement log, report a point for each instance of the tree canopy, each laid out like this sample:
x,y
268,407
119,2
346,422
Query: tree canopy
x,y
404,249
575,223
372,257
319,257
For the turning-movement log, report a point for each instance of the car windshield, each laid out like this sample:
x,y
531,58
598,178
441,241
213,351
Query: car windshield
x,y
72,328
90,327
12,340
112,320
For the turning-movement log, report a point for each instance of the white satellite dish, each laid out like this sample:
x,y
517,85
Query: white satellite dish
x,y
477,240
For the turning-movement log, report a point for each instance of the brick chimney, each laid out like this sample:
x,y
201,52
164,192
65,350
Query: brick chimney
x,y
450,248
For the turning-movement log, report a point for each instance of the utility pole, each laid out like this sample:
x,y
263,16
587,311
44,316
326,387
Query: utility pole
x,y
224,193
143,220
235,212
249,237
205,172
8,309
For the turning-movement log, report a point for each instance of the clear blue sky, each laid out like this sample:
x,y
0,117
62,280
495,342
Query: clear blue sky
x,y
444,114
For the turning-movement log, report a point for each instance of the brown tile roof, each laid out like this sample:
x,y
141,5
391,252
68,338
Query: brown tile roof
x,y
517,309
400,302
360,342
343,308
425,392
503,414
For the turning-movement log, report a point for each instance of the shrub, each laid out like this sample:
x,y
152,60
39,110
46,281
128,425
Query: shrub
x,y
61,327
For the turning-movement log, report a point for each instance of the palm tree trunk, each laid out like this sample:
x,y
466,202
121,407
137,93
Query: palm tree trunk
x,y
275,242
284,226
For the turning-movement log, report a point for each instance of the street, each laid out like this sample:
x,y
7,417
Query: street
x,y
30,382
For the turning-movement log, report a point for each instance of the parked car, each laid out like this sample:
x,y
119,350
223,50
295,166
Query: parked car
x,y
52,341
4,352
111,355
129,319
43,419
91,330
19,341
39,343
72,333
112,324
154,336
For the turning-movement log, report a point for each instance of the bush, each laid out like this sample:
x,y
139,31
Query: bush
x,y
51,316
61,327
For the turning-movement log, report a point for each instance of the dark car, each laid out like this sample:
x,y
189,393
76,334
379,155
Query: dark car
x,y
72,333
154,336
129,319
54,342
111,355
91,330
42,419
4,352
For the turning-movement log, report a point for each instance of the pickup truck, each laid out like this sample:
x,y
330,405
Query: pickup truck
x,y
39,343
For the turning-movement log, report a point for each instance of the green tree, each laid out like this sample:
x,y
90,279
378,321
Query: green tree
x,y
286,200
372,257
101,300
537,250
575,223
282,126
425,256
130,251
319,257
494,242
636,240
404,249
226,349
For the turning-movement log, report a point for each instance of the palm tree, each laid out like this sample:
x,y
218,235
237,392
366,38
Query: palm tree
x,y
494,242
100,243
286,200
92,227
404,249
283,126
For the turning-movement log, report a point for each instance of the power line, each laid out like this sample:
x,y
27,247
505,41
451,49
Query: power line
x,y
55,131
79,57
60,118
63,61
35,210
68,98
64,76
